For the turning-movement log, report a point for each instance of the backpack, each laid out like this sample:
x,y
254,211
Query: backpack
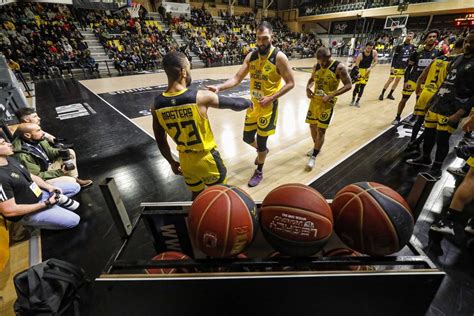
x,y
49,288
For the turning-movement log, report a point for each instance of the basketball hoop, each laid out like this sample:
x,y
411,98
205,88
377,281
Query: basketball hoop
x,y
134,10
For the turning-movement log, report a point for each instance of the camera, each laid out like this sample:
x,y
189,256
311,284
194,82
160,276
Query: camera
x,y
65,201
65,155
464,151
59,143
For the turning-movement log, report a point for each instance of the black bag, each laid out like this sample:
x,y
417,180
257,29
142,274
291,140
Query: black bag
x,y
49,288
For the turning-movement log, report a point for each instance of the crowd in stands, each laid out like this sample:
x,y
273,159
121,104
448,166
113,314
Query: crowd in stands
x,y
42,40
133,44
333,6
231,41
323,7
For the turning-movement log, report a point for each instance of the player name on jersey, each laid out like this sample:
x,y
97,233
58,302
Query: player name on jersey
x,y
178,113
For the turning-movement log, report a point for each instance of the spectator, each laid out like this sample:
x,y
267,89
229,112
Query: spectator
x,y
37,155
26,198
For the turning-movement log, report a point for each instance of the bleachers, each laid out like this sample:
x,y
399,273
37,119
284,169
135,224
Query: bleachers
x,y
42,39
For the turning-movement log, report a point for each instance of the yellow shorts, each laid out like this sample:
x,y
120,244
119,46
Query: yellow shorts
x,y
320,113
262,119
397,73
470,162
422,102
438,121
363,76
411,88
202,168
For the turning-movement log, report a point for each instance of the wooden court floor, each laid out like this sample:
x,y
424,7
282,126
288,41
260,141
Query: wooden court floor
x,y
350,128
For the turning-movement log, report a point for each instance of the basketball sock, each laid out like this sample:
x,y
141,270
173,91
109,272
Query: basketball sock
x,y
442,145
429,141
355,91
315,152
361,90
390,93
416,128
383,92
358,99
260,167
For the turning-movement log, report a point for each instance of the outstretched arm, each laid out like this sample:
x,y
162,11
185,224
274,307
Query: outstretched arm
x,y
162,142
236,79
207,99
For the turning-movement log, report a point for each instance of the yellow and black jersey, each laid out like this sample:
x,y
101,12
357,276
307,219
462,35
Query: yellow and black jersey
x,y
437,73
179,116
325,80
264,77
421,59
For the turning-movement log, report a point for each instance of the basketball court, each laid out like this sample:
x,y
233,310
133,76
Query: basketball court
x,y
109,121
351,128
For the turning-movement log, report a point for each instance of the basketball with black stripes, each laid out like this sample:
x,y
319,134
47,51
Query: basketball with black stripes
x,y
222,221
169,255
371,218
296,220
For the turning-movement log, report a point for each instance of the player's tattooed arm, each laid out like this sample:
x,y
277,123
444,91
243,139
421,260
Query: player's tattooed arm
x,y
342,72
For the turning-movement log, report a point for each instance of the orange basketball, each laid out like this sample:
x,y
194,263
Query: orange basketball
x,y
345,252
296,220
222,221
169,255
372,218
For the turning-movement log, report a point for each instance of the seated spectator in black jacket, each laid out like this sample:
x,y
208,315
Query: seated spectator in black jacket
x,y
28,199
40,158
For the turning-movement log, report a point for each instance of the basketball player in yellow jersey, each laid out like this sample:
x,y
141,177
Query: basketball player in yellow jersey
x,y
267,66
426,86
327,74
182,114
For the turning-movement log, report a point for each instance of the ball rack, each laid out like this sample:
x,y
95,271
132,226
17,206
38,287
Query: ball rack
x,y
401,284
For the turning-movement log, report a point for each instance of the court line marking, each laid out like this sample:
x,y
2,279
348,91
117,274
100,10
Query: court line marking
x,y
308,183
113,107
354,151
126,117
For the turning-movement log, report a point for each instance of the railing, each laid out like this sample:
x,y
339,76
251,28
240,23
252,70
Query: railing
x,y
86,72
19,76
